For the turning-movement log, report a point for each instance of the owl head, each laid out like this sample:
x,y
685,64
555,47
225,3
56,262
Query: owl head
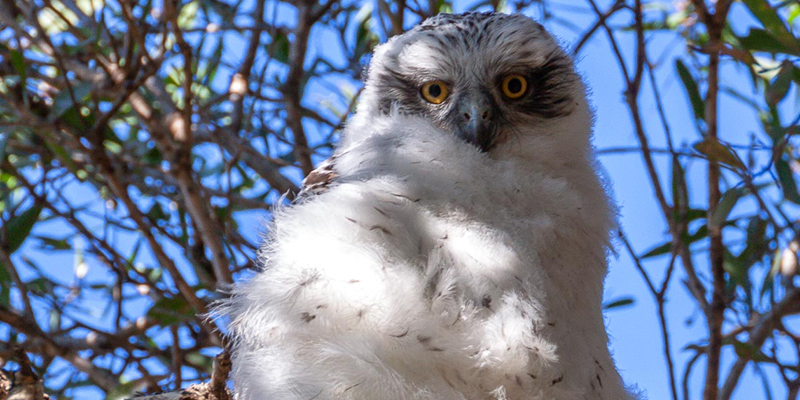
x,y
497,81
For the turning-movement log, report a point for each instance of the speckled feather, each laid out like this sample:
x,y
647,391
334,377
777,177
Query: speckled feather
x,y
416,266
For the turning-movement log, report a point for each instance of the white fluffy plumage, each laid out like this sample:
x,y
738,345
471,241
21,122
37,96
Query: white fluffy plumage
x,y
432,268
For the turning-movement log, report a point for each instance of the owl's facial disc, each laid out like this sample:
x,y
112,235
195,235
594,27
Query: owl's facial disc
x,y
485,78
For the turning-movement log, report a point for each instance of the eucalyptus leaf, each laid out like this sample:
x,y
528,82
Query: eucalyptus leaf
x,y
20,226
770,18
692,89
787,180
721,153
171,310
726,204
618,303
761,40
779,88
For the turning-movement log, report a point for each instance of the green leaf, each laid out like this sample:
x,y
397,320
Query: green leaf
x,y
18,61
769,279
366,39
19,227
157,213
51,244
279,48
795,74
63,100
62,155
749,352
693,214
769,17
171,310
135,253
794,12
665,248
692,89
761,40
622,302
155,274
726,204
721,153
779,88
199,359
39,285
152,156
658,250
756,242
5,286
213,63
188,15
499,6
126,390
680,191
787,180
737,271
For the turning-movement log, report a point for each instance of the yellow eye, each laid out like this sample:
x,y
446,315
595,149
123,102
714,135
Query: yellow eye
x,y
514,86
435,92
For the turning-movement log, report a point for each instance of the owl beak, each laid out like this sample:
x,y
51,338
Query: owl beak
x,y
476,126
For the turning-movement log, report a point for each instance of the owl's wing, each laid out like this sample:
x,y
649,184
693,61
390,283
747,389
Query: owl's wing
x,y
320,179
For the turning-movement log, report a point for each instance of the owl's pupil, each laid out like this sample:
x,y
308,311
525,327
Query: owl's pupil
x,y
435,90
514,85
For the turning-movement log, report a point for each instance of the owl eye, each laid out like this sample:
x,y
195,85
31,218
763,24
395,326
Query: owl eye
x,y
514,86
434,92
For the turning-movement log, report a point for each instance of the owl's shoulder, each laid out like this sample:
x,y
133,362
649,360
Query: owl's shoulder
x,y
320,179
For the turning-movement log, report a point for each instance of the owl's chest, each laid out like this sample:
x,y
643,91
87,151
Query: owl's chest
x,y
513,287
541,255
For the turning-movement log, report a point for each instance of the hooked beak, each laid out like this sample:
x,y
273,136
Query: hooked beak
x,y
475,126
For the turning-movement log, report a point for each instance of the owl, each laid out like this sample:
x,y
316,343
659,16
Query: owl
x,y
454,247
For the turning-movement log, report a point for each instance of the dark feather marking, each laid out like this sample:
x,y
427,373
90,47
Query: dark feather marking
x,y
320,179
307,317
405,197
311,279
487,301
448,382
354,385
425,341
598,365
398,90
557,380
550,85
458,375
382,229
400,335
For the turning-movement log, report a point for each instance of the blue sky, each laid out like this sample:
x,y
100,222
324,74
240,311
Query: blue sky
x,y
636,340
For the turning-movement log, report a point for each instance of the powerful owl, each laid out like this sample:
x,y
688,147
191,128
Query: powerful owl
x,y
454,247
